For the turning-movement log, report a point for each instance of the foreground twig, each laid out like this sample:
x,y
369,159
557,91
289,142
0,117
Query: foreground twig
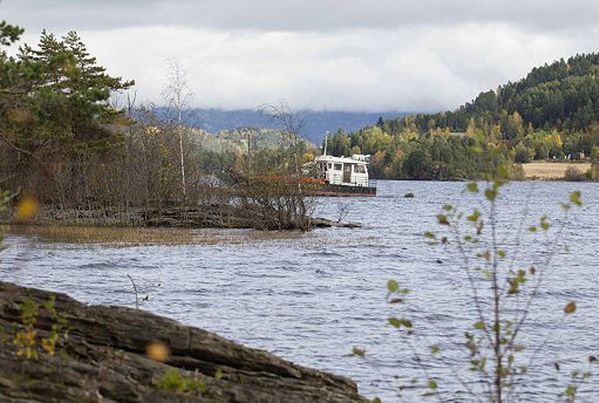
x,y
134,289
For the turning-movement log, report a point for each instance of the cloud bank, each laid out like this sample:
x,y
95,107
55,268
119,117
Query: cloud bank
x,y
352,55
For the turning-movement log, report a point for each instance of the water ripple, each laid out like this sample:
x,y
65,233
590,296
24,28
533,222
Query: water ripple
x,y
311,297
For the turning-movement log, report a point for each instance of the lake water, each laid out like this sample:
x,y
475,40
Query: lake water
x,y
311,297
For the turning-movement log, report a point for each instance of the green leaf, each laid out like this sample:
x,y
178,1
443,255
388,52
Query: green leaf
x,y
395,322
398,323
474,216
571,391
357,351
545,223
575,198
435,349
491,194
429,235
480,325
472,187
442,218
392,286
432,384
406,323
532,228
377,400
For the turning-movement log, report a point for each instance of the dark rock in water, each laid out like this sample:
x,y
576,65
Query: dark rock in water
x,y
439,261
326,223
104,359
408,195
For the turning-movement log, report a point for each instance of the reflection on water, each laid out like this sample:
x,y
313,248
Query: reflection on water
x,y
312,297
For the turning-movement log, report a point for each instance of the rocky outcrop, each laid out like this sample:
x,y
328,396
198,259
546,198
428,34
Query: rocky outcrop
x,y
104,358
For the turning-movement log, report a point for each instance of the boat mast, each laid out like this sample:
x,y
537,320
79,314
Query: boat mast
x,y
326,140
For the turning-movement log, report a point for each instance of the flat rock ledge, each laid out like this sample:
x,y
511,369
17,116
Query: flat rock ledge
x,y
103,359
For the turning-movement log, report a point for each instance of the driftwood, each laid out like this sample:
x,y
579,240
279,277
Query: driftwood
x,y
104,359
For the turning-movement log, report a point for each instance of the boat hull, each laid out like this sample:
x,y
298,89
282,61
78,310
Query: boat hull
x,y
329,190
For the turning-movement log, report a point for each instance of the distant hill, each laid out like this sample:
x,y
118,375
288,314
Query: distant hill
x,y
317,122
563,95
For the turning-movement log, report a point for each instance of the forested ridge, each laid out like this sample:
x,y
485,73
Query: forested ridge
x,y
552,113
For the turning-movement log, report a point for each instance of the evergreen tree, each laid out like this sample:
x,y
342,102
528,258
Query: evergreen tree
x,y
55,96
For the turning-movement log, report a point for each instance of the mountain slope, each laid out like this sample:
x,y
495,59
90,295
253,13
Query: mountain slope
x,y
317,123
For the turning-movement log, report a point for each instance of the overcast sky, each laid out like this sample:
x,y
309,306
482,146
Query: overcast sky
x,y
353,55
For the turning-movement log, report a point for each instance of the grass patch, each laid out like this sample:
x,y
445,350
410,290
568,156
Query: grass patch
x,y
104,235
175,381
140,236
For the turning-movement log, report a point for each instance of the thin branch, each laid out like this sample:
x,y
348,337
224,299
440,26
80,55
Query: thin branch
x,y
135,290
467,264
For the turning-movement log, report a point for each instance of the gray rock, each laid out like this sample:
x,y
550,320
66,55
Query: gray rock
x,y
103,359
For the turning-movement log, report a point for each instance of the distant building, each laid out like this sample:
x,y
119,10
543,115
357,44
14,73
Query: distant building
x,y
457,134
577,156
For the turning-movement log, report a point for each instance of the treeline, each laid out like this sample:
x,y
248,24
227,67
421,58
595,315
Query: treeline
x,y
436,156
553,113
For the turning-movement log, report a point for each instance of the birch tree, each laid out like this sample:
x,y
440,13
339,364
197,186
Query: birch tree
x,y
177,94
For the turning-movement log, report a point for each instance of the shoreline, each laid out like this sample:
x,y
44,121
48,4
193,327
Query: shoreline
x,y
155,220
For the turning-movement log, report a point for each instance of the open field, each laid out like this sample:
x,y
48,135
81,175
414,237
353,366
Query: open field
x,y
552,170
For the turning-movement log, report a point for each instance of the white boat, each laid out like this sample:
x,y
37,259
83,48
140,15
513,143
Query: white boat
x,y
342,176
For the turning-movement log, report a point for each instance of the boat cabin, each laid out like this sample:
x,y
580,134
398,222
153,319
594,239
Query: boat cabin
x,y
343,171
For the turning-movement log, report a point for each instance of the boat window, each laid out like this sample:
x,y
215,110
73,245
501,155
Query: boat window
x,y
360,169
330,166
338,167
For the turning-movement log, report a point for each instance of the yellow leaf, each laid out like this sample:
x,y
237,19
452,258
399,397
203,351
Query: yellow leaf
x,y
570,308
157,351
26,209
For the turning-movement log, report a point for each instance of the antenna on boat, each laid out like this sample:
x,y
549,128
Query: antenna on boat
x,y
326,140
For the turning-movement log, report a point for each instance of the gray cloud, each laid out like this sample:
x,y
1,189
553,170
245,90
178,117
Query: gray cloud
x,y
301,15
326,54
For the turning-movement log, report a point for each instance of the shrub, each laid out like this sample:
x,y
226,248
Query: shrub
x,y
523,154
574,174
501,291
